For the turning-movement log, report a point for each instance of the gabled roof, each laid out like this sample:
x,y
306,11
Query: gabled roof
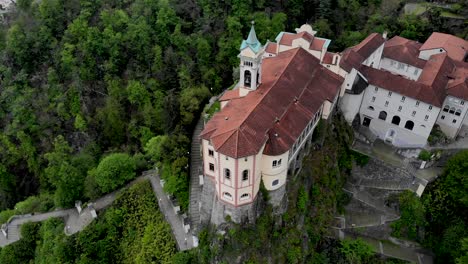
x,y
328,58
251,41
458,83
455,47
404,50
401,85
315,43
353,57
293,87
270,47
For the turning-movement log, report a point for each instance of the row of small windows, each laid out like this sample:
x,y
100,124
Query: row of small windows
x,y
306,131
403,98
454,121
396,120
400,65
228,196
426,117
227,174
452,110
248,63
276,163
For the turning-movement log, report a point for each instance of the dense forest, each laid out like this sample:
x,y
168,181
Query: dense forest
x,y
92,92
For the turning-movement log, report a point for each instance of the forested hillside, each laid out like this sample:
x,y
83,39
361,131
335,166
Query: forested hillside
x,y
92,92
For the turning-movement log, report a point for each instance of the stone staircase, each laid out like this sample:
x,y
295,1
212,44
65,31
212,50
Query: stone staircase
x,y
195,171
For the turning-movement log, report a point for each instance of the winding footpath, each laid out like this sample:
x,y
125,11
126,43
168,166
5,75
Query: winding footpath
x,y
75,222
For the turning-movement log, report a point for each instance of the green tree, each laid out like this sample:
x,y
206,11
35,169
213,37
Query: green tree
x,y
113,171
356,251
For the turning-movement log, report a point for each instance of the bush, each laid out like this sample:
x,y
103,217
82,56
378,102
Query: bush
x,y
113,171
360,159
425,155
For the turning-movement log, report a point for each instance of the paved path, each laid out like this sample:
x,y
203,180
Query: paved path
x,y
75,222
195,172
184,240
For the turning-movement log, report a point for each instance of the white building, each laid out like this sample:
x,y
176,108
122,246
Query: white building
x,y
266,121
400,88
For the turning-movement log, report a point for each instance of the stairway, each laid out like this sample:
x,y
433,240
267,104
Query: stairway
x,y
195,171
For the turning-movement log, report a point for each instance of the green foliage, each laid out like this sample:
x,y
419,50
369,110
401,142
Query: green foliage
x,y
113,171
21,251
412,217
360,159
445,200
356,251
425,155
302,199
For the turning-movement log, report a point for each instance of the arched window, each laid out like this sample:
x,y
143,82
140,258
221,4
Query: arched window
x,y
458,112
396,120
244,196
446,108
275,182
370,108
227,174
227,195
383,115
452,110
245,175
409,125
247,78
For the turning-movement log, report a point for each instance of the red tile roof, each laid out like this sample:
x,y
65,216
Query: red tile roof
x,y
456,47
458,83
436,73
354,56
271,47
315,43
231,94
328,58
404,50
401,85
294,85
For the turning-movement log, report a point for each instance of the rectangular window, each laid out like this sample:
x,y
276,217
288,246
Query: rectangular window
x,y
386,103
403,98
442,117
399,108
279,162
227,158
373,99
227,174
210,153
211,167
376,89
454,121
417,103
426,117
274,164
430,107
462,102
416,71
389,94
414,113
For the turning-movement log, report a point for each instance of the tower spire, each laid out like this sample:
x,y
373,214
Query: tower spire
x,y
252,38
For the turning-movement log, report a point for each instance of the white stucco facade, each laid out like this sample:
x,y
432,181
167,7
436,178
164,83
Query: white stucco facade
x,y
400,68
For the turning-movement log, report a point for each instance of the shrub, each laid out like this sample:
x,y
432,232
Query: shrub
x,y
113,171
425,155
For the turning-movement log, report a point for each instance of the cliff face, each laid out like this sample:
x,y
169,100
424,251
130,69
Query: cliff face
x,y
294,232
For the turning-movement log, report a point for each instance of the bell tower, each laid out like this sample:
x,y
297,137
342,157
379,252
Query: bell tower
x,y
250,61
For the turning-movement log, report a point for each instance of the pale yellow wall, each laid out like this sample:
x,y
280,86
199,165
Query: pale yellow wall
x,y
284,47
269,174
247,52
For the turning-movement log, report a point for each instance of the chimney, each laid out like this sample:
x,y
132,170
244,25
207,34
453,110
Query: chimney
x,y
384,34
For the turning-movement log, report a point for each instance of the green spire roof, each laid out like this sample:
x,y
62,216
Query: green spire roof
x,y
251,40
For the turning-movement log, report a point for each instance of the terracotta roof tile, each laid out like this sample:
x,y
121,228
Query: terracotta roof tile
x,y
242,127
354,56
271,47
458,83
230,94
401,85
317,44
328,58
404,50
456,47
